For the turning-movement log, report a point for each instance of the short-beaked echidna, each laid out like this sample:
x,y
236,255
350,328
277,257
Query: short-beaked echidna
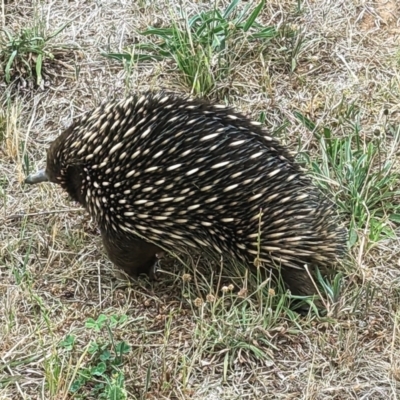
x,y
157,170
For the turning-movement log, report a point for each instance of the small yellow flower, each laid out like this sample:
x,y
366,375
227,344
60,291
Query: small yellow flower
x,y
225,289
198,302
210,298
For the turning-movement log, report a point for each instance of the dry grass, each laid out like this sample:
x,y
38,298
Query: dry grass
x,y
54,275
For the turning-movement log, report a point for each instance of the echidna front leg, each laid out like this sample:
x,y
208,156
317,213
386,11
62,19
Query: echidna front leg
x,y
299,281
134,256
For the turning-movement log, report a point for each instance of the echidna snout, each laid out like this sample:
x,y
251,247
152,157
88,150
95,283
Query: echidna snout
x,y
160,171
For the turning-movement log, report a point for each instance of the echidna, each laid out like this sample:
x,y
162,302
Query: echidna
x,y
160,171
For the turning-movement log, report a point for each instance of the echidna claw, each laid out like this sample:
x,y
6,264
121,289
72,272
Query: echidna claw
x,y
154,269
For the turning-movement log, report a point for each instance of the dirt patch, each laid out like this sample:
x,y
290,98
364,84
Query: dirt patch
x,y
382,14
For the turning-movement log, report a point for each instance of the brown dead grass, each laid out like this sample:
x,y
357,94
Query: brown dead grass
x,y
54,274
382,12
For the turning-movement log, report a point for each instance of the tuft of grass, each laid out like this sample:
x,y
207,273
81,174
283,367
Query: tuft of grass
x,y
204,46
235,323
24,53
364,171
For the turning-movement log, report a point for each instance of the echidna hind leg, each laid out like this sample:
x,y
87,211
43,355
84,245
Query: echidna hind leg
x,y
134,256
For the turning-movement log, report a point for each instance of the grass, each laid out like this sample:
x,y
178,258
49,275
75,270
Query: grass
x,y
26,53
323,78
365,170
205,47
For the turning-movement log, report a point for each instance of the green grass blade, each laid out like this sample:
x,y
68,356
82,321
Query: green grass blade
x,y
9,65
304,120
161,32
265,33
59,30
229,10
253,16
39,62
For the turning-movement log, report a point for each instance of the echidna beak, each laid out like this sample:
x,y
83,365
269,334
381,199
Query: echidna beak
x,y
37,177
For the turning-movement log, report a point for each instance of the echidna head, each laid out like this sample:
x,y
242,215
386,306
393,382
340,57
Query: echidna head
x,y
68,176
48,174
